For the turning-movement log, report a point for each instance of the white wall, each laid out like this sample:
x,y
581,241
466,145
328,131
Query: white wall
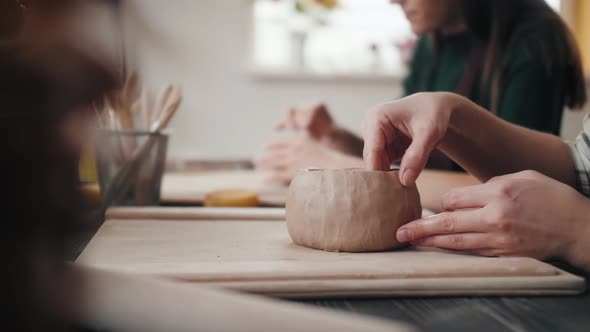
x,y
227,112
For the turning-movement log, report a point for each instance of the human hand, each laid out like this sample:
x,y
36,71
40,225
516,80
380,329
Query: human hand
x,y
285,157
315,120
408,130
522,214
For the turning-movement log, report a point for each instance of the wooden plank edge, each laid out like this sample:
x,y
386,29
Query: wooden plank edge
x,y
194,213
564,284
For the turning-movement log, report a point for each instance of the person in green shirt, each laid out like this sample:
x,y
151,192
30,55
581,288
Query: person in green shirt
x,y
527,78
516,58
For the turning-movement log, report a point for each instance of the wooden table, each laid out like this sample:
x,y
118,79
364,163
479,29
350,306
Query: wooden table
x,y
481,314
475,314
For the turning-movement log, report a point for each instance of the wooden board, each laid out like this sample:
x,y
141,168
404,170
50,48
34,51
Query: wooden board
x,y
259,257
191,187
200,213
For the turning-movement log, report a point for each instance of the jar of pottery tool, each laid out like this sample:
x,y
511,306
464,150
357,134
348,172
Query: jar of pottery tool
x,y
140,185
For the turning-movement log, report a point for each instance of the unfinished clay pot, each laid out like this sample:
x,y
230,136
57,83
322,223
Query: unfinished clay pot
x,y
349,210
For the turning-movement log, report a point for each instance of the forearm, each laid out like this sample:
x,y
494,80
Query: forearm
x,y
432,185
344,141
487,146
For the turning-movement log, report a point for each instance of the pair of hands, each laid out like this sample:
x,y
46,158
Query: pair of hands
x,y
285,157
521,214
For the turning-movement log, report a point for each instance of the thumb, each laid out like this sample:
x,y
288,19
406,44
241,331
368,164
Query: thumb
x,y
414,160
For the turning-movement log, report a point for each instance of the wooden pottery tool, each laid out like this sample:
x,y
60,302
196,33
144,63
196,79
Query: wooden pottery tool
x,y
121,182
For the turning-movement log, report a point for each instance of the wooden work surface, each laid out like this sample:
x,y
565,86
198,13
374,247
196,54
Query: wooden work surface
x,y
190,188
258,256
453,313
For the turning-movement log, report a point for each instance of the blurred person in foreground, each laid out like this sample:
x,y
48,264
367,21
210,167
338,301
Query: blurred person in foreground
x,y
46,86
534,198
515,58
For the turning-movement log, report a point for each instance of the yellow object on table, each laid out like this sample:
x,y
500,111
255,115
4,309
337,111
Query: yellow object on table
x,y
232,198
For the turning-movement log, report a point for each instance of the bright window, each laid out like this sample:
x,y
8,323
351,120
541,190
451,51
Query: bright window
x,y
354,36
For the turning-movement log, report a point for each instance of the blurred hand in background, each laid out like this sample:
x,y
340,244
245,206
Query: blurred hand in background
x,y
314,120
316,142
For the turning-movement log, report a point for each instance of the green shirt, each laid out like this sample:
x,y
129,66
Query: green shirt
x,y
531,93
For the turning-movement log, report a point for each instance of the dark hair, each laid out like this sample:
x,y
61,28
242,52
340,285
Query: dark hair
x,y
493,21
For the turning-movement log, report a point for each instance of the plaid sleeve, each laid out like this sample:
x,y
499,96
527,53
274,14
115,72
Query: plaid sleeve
x,y
581,157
